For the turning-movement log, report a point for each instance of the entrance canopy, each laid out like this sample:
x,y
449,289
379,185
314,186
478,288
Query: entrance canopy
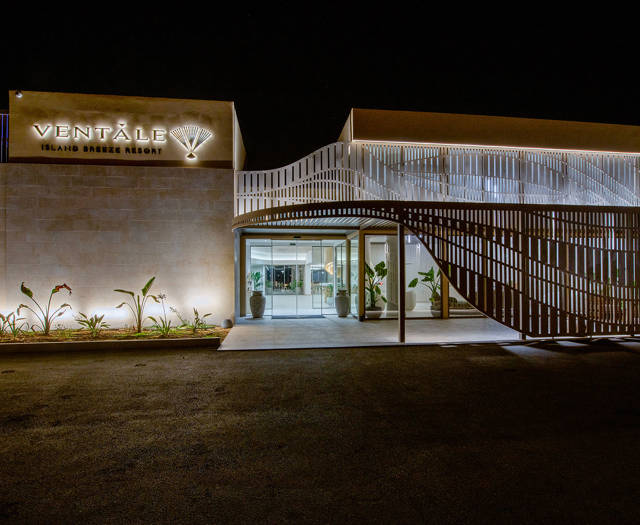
x,y
543,270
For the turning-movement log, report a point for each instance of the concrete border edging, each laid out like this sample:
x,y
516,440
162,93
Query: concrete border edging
x,y
110,345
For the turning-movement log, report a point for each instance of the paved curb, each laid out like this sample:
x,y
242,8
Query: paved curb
x,y
110,345
608,339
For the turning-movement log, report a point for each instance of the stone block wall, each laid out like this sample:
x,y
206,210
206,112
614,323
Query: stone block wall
x,y
97,228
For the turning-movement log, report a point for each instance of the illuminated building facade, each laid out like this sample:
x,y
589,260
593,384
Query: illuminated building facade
x,y
533,223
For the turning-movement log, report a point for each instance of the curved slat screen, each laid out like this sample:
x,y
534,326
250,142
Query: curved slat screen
x,y
543,270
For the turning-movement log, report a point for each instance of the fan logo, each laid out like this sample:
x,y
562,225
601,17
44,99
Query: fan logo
x,y
191,138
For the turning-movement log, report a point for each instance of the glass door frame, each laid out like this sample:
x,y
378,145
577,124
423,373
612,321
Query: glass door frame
x,y
241,308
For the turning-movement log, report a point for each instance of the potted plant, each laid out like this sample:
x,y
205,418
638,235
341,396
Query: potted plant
x,y
343,303
257,301
410,296
431,281
373,280
328,294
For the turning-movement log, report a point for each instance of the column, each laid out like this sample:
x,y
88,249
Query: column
x,y
401,285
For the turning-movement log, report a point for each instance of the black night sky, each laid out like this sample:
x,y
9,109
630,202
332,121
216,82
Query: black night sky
x,y
294,74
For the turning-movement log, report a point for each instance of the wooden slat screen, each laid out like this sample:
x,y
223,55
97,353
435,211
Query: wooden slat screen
x,y
543,270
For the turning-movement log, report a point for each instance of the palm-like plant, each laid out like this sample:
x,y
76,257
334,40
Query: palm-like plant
x,y
44,315
373,280
431,281
138,302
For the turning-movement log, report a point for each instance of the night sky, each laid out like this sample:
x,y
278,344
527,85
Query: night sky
x,y
295,74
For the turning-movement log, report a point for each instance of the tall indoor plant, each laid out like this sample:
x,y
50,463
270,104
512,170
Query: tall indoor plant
x,y
372,284
431,281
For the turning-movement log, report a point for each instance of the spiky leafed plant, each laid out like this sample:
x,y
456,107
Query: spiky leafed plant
x,y
198,322
44,316
94,324
137,303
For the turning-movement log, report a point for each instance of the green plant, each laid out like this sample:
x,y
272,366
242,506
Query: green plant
x,y
431,281
11,323
296,285
137,303
255,279
373,280
198,322
160,323
4,323
94,323
328,291
44,316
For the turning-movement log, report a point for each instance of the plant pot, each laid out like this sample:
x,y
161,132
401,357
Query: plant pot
x,y
257,303
436,307
409,300
374,312
343,303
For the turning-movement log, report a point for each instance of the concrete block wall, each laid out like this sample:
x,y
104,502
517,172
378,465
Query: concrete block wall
x,y
97,228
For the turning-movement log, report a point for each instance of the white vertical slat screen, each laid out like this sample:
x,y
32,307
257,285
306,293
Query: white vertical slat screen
x,y
426,172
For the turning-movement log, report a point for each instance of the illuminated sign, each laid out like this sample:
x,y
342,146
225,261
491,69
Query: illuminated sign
x,y
67,128
191,138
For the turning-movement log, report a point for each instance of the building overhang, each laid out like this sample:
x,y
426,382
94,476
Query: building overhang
x,y
412,127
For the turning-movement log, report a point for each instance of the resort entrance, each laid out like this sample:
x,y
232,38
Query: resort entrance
x,y
298,277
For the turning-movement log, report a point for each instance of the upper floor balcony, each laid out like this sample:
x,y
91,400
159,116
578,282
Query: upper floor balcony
x,y
360,170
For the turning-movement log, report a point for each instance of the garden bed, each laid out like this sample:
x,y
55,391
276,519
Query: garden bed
x,y
112,340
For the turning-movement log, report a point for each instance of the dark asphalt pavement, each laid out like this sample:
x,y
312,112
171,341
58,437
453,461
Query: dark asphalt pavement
x,y
459,434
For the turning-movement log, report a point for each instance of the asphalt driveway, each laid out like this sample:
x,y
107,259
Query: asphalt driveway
x,y
456,434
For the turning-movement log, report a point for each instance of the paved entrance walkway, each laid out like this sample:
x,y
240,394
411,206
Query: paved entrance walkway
x,y
332,331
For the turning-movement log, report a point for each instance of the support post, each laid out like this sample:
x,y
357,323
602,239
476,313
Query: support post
x,y
444,296
361,290
347,280
401,285
444,280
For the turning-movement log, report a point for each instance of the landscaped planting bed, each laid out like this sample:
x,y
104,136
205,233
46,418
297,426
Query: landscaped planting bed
x,y
16,329
67,335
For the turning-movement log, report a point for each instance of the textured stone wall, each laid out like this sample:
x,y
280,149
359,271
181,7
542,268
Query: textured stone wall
x,y
103,227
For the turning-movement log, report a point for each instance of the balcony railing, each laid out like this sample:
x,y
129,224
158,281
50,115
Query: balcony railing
x,y
376,171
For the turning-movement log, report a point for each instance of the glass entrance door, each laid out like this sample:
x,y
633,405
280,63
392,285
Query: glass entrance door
x,y
284,276
299,277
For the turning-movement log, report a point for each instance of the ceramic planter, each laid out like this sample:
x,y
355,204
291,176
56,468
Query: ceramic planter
x,y
374,312
343,303
257,303
410,300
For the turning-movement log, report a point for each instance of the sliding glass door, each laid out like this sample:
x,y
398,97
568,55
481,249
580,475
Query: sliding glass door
x,y
298,277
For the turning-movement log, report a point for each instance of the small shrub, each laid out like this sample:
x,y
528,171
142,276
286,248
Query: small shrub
x,y
10,323
198,322
44,316
94,323
161,324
